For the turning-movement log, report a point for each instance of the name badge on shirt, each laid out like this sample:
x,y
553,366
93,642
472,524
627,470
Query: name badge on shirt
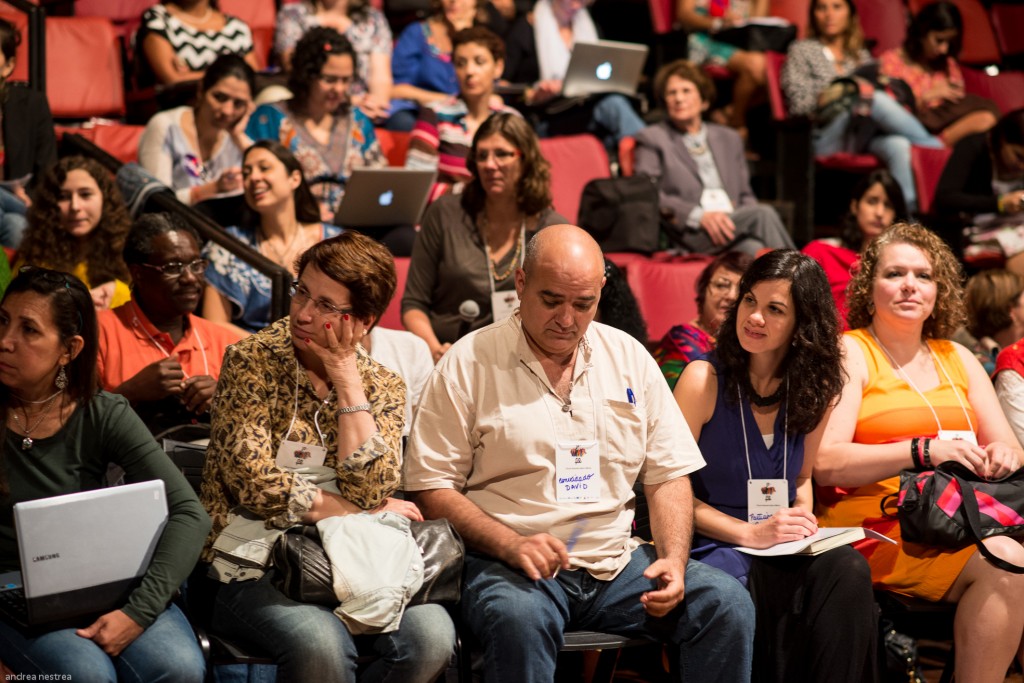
x,y
503,304
292,454
765,497
716,200
577,473
958,435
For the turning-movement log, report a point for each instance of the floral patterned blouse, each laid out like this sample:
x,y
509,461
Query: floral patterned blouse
x,y
893,64
680,345
353,144
370,35
255,401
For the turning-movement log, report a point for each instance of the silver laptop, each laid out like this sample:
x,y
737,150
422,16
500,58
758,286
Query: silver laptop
x,y
603,67
378,197
82,554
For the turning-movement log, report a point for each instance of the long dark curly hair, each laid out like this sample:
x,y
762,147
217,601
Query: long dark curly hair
x,y
311,53
949,312
533,194
47,244
813,366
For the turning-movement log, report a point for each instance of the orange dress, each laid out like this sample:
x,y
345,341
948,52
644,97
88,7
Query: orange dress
x,y
891,410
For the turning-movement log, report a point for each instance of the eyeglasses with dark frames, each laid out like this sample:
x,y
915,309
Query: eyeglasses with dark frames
x,y
175,269
300,295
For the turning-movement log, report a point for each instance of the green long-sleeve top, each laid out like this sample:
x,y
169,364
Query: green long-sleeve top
x,y
103,431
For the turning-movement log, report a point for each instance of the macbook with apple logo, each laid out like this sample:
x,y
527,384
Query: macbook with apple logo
x,y
604,66
379,197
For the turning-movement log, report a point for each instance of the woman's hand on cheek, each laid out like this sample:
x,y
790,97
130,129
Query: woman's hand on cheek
x,y
338,352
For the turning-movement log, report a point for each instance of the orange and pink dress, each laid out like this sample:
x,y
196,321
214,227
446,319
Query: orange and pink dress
x,y
891,410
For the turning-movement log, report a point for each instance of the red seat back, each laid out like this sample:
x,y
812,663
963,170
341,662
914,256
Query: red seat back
x,y
796,12
261,16
665,291
979,45
395,145
1008,24
774,62
663,15
83,68
927,164
575,161
126,14
392,316
884,22
1005,89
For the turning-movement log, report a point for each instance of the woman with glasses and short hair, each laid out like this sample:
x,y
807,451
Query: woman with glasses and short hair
x,y
469,245
307,384
318,124
282,222
153,350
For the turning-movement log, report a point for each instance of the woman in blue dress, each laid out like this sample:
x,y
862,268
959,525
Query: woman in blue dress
x,y
281,221
756,406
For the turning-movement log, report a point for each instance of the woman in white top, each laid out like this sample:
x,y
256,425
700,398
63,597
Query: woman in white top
x,y
197,150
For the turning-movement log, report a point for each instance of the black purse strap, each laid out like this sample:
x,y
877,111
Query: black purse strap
x,y
969,504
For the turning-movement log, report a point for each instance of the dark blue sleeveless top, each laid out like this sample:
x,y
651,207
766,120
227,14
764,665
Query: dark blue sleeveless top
x,y
722,484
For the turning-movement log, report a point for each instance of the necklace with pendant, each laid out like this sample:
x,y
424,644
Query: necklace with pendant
x,y
27,442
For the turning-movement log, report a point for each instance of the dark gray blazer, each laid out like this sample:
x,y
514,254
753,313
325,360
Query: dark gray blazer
x,y
660,154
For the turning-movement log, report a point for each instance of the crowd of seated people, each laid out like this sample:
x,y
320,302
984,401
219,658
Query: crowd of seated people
x,y
526,365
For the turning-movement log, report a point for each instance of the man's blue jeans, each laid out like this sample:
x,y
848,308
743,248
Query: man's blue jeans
x,y
166,652
898,130
521,622
309,643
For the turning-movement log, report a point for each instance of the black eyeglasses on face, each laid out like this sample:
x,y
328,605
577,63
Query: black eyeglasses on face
x,y
300,295
175,269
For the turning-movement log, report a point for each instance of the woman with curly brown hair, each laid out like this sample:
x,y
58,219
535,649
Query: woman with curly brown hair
x,y
757,406
78,198
460,276
915,400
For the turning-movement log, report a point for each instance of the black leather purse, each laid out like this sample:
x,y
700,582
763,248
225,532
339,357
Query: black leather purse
x,y
303,571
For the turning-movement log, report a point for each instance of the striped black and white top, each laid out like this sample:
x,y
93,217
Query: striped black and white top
x,y
196,49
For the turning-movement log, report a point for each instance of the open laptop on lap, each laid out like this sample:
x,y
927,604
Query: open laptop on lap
x,y
82,554
379,197
604,66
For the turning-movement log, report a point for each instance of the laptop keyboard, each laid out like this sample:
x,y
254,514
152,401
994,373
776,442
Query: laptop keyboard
x,y
12,602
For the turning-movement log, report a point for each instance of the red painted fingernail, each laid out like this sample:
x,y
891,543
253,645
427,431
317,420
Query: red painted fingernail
x,y
306,340
327,325
345,317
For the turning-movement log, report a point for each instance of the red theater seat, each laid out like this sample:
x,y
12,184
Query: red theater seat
x,y
575,160
392,317
83,68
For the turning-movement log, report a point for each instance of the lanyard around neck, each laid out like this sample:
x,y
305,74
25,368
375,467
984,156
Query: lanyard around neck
x,y
295,409
490,263
137,322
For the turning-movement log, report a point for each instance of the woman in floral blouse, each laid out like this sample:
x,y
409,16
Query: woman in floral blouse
x,y
306,388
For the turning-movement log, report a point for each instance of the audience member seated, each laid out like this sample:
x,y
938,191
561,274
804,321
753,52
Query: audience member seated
x,y
984,180
445,129
834,51
78,224
703,19
915,400
152,350
1008,375
319,125
179,39
537,53
408,356
545,397
469,246
281,222
778,368
306,383
718,287
995,314
61,435
197,150
502,14
422,62
365,28
927,64
618,306
701,170
28,143
876,204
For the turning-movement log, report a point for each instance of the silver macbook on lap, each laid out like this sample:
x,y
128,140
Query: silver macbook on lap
x,y
82,554
379,197
605,66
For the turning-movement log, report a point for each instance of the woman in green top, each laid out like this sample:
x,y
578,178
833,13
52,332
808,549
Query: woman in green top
x,y
59,434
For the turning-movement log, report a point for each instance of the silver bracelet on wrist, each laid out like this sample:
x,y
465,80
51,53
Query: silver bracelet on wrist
x,y
356,409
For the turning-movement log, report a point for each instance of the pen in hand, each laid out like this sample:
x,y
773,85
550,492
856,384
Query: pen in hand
x,y
573,537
